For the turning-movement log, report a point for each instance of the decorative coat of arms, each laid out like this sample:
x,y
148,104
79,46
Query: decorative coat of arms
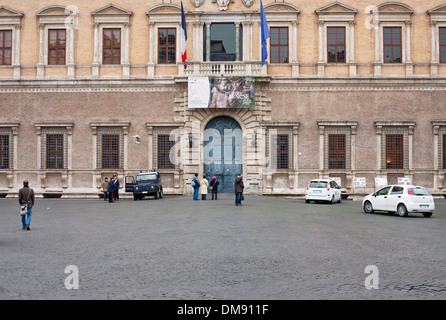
x,y
197,3
248,3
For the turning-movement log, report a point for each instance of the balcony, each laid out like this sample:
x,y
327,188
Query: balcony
x,y
233,68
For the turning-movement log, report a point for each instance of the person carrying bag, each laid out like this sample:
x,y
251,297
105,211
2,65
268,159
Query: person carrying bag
x,y
26,200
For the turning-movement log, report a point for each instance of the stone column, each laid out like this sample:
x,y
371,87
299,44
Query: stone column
x,y
208,41
95,65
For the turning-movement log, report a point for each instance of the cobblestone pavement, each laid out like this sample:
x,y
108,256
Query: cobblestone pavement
x,y
177,248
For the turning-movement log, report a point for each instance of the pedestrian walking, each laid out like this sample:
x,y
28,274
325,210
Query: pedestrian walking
x,y
105,188
204,185
116,188
195,185
214,187
238,184
26,196
110,190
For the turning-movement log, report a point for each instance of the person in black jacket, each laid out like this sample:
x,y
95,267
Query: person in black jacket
x,y
214,187
238,184
26,196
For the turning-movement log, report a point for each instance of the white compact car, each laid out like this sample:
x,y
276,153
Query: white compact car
x,y
401,199
323,190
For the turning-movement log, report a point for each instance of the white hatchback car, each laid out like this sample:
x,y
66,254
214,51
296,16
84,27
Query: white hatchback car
x,y
323,190
401,199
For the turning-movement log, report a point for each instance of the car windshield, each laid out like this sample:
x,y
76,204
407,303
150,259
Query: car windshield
x,y
150,177
420,191
318,184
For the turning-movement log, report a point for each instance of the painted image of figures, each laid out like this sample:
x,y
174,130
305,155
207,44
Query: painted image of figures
x,y
232,92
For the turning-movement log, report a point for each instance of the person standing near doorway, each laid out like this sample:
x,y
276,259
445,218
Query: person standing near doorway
x,y
195,185
204,184
214,187
26,195
238,189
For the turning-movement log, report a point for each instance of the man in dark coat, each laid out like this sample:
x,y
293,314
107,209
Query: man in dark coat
x,y
26,195
214,187
238,189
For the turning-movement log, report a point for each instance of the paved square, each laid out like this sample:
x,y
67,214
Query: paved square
x,y
177,248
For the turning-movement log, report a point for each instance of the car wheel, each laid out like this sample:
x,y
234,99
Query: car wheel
x,y
161,193
368,208
340,199
332,200
135,197
402,210
307,201
427,214
156,195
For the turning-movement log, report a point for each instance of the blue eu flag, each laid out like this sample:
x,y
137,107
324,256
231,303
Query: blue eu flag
x,y
265,33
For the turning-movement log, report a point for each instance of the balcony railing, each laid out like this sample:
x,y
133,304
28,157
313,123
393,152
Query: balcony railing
x,y
207,68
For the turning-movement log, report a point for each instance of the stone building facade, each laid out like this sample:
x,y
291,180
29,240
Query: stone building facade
x,y
349,90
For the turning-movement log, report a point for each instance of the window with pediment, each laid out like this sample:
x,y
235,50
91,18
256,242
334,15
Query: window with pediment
x,y
392,23
111,38
10,26
336,36
438,36
56,42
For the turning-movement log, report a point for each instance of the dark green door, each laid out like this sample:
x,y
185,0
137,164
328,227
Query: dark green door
x,y
223,151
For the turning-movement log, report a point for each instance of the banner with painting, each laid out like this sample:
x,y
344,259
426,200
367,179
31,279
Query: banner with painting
x,y
221,92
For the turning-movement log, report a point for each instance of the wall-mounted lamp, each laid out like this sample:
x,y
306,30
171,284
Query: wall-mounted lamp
x,y
190,139
254,140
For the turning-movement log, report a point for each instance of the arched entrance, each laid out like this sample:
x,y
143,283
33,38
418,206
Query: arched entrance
x,y
223,151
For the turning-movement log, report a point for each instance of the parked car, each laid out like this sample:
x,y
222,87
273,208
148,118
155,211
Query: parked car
x,y
145,184
401,199
323,190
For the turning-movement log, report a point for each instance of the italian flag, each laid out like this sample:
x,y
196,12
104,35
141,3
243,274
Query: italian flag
x,y
183,36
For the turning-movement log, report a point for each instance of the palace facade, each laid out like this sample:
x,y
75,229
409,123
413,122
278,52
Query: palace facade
x,y
349,90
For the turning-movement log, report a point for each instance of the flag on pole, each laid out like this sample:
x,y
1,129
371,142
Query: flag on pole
x,y
265,33
183,35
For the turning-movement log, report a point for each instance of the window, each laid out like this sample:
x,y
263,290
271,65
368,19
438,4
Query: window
x,y
336,141
4,152
397,190
383,191
337,151
394,151
336,44
222,42
282,151
56,47
392,45
111,46
110,151
54,151
5,47
442,32
166,45
279,45
164,148
279,147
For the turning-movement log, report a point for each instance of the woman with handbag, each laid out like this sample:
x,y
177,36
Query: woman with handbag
x,y
26,197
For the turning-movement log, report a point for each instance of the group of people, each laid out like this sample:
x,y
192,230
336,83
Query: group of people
x,y
111,189
201,187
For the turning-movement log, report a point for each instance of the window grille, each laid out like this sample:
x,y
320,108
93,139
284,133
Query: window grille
x,y
395,148
337,147
110,148
6,148
54,148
